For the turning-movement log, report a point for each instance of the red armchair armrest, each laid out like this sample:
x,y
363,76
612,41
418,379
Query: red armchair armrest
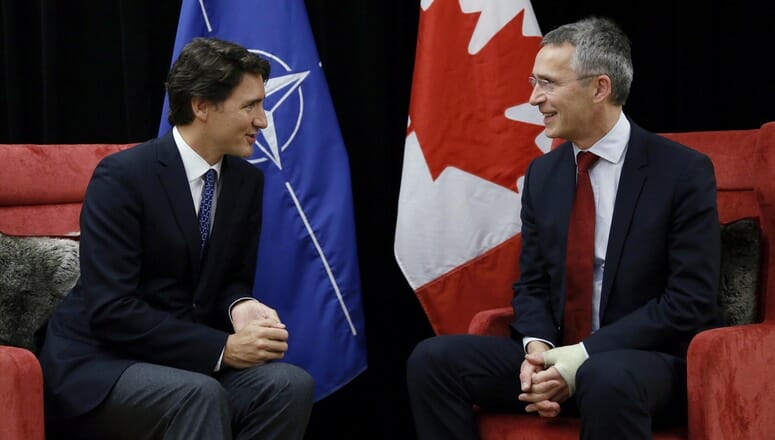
x,y
493,322
21,395
730,382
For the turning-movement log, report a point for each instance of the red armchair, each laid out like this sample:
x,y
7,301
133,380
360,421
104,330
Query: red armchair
x,y
729,386
21,388
41,194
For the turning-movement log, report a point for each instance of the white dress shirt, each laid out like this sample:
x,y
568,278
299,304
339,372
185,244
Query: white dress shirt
x,y
604,176
196,167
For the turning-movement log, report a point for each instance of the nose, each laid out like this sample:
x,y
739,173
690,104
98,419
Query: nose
x,y
259,120
537,96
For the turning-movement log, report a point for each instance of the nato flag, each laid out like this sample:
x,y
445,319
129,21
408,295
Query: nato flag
x,y
307,260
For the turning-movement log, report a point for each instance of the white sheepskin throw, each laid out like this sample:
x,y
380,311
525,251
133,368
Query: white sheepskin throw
x,y
35,273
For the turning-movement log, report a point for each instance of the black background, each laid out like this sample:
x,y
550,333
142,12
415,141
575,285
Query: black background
x,y
82,71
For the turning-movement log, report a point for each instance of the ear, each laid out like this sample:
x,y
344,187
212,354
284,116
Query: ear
x,y
200,107
602,84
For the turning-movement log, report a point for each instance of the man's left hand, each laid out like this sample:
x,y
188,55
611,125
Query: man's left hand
x,y
250,310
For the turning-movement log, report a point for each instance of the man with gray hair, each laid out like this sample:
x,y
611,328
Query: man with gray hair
x,y
619,266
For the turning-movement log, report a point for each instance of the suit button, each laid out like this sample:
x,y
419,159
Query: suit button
x,y
194,305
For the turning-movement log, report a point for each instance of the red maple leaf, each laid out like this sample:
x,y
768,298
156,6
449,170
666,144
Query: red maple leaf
x,y
458,99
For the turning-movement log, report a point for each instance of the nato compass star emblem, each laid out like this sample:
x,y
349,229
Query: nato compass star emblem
x,y
284,103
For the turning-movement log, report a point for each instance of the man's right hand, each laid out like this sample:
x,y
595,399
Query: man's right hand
x,y
527,369
543,390
256,343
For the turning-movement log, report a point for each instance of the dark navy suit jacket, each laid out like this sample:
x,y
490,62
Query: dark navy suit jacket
x,y
145,293
661,273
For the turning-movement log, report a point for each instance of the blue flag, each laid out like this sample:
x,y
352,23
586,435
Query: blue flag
x,y
307,260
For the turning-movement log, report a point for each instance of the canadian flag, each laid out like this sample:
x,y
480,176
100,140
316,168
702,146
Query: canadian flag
x,y
470,137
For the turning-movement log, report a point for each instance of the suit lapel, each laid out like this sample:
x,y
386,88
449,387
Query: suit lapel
x,y
227,198
173,179
634,172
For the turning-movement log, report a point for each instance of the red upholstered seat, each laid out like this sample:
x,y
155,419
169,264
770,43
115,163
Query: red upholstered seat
x,y
41,195
729,369
502,426
43,186
21,388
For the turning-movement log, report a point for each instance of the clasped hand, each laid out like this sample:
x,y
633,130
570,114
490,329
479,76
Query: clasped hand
x,y
259,336
548,377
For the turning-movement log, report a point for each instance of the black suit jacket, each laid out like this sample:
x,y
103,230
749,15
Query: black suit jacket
x,y
661,273
145,293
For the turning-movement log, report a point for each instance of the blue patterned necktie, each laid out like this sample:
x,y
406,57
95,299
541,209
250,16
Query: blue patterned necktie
x,y
205,206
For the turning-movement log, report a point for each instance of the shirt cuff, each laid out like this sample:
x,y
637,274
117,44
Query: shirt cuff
x,y
526,340
220,361
583,347
231,306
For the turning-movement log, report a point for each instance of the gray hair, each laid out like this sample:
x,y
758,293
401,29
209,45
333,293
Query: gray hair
x,y
602,48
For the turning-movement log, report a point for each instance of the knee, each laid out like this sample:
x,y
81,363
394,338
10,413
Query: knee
x,y
429,357
202,388
302,385
600,386
425,354
294,383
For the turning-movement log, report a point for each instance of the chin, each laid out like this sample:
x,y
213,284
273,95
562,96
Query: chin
x,y
242,150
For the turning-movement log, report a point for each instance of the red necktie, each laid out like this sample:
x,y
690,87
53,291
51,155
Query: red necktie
x,y
580,256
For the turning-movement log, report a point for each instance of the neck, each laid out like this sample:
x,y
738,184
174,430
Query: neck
x,y
600,125
197,140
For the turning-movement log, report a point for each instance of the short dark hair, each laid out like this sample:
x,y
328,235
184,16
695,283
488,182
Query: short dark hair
x,y
210,69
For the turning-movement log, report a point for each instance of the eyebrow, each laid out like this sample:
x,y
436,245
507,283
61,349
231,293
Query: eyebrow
x,y
543,77
253,101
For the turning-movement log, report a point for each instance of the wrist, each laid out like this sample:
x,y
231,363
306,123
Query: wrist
x,y
537,346
567,360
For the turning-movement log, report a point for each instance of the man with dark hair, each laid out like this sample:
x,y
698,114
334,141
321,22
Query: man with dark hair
x,y
619,266
161,337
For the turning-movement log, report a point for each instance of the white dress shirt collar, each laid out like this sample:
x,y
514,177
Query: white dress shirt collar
x,y
613,145
193,163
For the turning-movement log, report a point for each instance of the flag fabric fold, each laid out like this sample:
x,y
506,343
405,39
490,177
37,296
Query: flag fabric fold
x,y
307,260
470,137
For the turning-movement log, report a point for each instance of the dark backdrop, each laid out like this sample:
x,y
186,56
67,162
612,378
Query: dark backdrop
x,y
82,71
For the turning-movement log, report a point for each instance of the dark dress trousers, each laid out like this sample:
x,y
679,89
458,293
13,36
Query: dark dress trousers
x,y
146,293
